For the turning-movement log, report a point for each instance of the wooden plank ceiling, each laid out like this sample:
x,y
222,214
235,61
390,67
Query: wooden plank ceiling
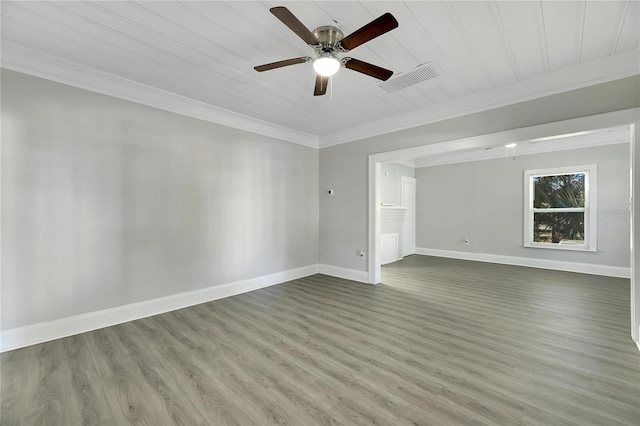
x,y
206,50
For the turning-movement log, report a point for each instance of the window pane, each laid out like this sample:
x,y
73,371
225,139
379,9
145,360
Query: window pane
x,y
559,228
559,191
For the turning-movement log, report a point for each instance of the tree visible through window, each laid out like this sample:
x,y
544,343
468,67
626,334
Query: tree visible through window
x,y
554,203
558,213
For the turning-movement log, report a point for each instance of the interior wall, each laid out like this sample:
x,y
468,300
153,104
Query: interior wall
x,y
483,201
107,202
391,186
343,217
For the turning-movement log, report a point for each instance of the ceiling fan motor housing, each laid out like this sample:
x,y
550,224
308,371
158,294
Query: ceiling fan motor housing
x,y
328,36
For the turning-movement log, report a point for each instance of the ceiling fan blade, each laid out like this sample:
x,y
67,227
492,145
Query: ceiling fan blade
x,y
287,18
321,85
373,29
280,64
368,69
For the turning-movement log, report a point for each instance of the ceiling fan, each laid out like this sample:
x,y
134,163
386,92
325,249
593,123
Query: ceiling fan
x,y
327,41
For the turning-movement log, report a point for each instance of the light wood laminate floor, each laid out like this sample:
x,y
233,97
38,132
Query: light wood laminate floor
x,y
442,342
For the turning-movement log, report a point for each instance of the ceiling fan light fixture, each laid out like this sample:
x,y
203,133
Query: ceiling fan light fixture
x,y
327,42
326,65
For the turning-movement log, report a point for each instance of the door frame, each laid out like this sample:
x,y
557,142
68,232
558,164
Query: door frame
x,y
628,117
404,179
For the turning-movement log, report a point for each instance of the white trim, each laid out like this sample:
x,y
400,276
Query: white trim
x,y
345,273
38,64
634,197
412,249
591,73
373,237
37,333
588,123
556,265
595,139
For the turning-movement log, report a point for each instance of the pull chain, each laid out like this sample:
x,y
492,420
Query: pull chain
x,y
331,87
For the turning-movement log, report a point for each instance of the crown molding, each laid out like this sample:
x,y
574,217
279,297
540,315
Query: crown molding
x,y
39,64
596,72
28,61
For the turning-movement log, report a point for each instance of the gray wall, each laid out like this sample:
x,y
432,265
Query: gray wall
x,y
343,217
107,202
391,185
484,202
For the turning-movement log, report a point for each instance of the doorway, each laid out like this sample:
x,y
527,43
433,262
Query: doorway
x,y
583,125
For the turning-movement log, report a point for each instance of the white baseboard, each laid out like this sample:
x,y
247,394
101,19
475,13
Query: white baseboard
x,y
347,274
583,268
37,333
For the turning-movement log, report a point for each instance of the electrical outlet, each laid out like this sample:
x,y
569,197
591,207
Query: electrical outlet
x,y
362,254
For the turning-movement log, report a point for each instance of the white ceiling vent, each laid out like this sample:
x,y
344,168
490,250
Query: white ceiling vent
x,y
417,75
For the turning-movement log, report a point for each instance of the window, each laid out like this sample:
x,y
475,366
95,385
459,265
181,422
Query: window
x,y
560,208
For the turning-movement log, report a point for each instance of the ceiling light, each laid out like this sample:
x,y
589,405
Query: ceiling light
x,y
510,145
326,65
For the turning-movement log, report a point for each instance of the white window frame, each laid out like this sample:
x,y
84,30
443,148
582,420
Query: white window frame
x,y
590,209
